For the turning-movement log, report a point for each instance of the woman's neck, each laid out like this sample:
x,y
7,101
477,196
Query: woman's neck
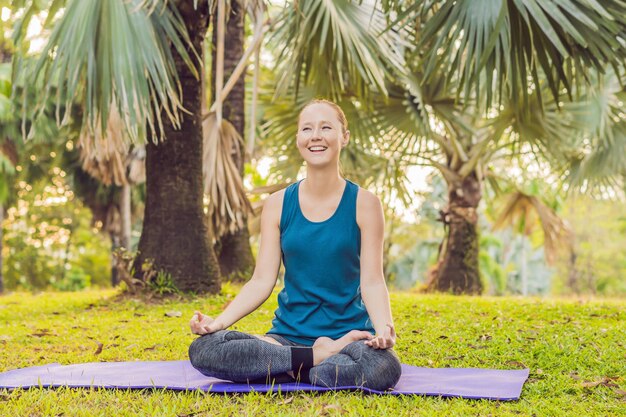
x,y
323,182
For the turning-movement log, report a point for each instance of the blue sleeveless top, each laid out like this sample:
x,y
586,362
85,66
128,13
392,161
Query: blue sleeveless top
x,y
322,295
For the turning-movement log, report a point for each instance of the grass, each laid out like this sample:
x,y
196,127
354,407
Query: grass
x,y
575,351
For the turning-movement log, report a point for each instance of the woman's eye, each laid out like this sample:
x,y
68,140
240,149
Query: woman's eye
x,y
326,127
306,129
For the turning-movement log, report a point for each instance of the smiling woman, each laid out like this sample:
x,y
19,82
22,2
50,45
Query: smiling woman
x,y
329,234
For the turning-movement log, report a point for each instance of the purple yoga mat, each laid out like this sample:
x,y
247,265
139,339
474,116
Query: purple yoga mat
x,y
490,384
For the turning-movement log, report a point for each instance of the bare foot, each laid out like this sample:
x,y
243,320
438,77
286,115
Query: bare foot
x,y
325,347
267,339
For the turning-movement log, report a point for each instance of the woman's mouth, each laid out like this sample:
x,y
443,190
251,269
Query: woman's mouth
x,y
317,148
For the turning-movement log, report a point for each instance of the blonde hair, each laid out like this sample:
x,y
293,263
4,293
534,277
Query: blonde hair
x,y
340,114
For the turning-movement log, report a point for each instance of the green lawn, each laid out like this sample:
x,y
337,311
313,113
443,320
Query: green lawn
x,y
575,351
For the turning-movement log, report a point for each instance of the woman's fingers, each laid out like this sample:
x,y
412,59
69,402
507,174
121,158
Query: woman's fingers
x,y
381,342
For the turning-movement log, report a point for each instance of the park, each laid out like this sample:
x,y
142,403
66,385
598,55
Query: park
x,y
443,182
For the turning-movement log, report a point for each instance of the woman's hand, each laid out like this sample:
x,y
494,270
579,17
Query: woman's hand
x,y
201,324
386,341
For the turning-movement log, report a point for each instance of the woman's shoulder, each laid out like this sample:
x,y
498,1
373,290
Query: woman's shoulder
x,y
368,206
275,199
366,198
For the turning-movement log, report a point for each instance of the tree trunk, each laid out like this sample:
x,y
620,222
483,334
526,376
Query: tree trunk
x,y
125,216
115,244
1,247
235,254
523,270
458,272
175,236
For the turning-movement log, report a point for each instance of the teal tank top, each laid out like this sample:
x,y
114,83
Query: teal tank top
x,y
322,295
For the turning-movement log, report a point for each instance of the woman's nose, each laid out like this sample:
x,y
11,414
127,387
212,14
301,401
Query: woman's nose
x,y
317,132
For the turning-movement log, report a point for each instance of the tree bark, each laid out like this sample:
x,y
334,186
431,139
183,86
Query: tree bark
x,y
115,244
175,236
235,254
125,216
458,272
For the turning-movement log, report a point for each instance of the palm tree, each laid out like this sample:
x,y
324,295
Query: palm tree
x,y
233,248
482,80
142,58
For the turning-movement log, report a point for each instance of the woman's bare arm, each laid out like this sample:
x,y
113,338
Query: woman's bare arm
x,y
260,286
374,292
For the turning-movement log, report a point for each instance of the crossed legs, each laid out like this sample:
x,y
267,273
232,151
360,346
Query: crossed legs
x,y
240,357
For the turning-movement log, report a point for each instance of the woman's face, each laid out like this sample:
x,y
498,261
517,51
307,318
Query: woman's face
x,y
320,135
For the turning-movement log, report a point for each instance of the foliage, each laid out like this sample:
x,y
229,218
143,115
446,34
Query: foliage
x,y
149,281
87,57
494,47
597,264
74,280
570,346
162,283
49,239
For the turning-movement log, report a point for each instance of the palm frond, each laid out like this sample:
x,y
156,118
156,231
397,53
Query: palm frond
x,y
493,47
114,54
103,155
336,46
526,211
228,204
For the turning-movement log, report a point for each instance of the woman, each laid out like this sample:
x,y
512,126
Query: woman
x,y
329,233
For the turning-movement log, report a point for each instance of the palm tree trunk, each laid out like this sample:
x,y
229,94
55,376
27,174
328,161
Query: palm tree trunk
x,y
235,254
458,271
115,244
1,239
175,235
125,210
523,269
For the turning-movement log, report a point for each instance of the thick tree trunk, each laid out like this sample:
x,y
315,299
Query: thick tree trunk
x,y
235,253
1,239
458,272
175,235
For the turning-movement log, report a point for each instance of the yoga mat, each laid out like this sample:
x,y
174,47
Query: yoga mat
x,y
475,383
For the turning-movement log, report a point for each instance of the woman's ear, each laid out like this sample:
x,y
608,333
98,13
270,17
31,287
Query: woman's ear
x,y
346,139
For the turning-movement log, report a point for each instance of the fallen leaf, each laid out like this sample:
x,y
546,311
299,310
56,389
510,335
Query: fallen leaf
x,y
42,333
517,364
574,375
138,314
450,358
174,314
485,337
99,348
153,347
286,401
607,381
443,336
477,347
129,347
327,409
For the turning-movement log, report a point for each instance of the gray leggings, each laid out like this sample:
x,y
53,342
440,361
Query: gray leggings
x,y
240,357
